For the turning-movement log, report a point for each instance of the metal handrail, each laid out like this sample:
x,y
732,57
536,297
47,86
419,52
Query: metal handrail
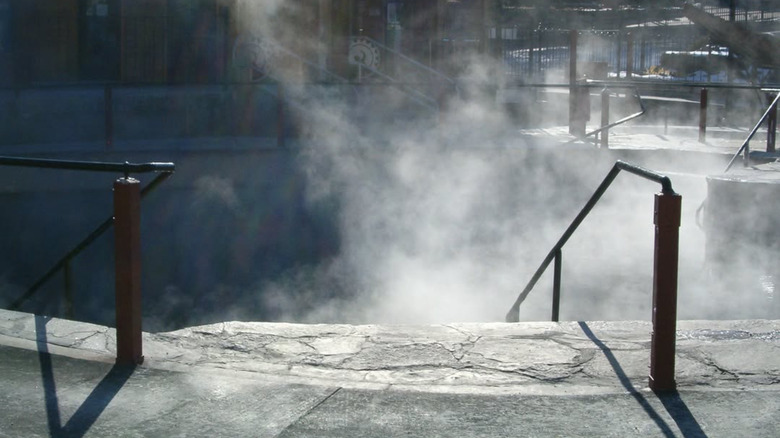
x,y
596,84
126,168
274,46
414,93
419,95
745,147
642,108
555,253
412,61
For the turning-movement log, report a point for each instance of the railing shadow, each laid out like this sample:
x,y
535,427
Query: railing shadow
x,y
92,407
671,400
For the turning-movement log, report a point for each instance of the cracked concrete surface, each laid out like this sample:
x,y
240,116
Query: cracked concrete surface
x,y
479,357
466,380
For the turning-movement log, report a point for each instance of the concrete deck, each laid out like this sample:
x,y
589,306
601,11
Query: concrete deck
x,y
291,380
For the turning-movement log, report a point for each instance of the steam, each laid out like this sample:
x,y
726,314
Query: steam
x,y
438,223
444,217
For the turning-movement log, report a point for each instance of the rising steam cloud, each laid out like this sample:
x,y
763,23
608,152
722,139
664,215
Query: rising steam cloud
x,y
444,217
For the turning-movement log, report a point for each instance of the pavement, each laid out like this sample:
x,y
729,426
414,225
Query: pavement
x,y
254,379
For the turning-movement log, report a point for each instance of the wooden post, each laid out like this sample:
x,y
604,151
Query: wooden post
x,y
605,118
662,346
127,236
771,126
732,10
629,56
703,116
576,121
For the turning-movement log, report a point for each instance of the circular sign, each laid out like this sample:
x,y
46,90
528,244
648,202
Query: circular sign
x,y
362,51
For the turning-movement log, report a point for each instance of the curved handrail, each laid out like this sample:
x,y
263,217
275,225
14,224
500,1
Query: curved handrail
x,y
745,144
126,168
666,188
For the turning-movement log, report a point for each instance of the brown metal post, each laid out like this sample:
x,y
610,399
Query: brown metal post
x,y
556,304
662,348
127,236
575,121
703,116
531,52
732,10
605,118
771,126
629,56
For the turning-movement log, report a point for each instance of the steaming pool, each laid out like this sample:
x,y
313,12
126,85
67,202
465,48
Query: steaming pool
x,y
400,235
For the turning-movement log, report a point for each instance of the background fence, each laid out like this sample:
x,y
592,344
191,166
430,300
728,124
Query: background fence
x,y
612,49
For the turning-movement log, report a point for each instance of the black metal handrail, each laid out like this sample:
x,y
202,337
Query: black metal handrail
x,y
606,85
125,168
628,118
555,253
745,145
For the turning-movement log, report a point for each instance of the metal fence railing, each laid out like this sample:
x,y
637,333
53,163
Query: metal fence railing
x,y
127,245
644,50
667,223
536,55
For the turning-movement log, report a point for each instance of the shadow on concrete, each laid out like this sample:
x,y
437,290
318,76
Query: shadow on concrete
x,y
92,407
671,400
679,411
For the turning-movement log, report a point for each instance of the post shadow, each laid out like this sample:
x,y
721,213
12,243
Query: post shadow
x,y
92,407
47,375
681,415
97,401
626,382
671,400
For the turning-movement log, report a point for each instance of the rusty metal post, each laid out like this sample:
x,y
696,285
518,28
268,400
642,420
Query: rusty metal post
x,y
771,126
576,124
618,54
732,10
127,236
703,115
662,349
629,56
531,52
605,118
108,102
